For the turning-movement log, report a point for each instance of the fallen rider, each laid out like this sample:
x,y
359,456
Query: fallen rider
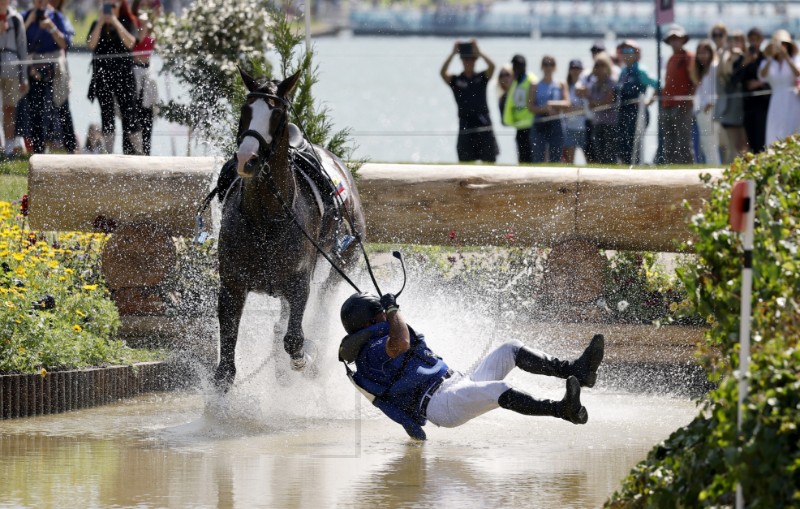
x,y
397,371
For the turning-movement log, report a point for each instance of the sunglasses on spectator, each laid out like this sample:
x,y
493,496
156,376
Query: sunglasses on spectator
x,y
548,64
628,51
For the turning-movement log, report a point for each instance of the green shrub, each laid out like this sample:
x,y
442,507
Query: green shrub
x,y
700,464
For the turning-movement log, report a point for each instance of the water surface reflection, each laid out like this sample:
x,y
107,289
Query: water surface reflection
x,y
171,451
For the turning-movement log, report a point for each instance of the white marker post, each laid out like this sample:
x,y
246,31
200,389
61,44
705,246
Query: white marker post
x,y
742,217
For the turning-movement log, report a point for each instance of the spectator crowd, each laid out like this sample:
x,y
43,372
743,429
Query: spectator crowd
x,y
35,82
734,93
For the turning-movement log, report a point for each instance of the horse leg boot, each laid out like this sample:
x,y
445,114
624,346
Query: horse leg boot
x,y
569,408
584,368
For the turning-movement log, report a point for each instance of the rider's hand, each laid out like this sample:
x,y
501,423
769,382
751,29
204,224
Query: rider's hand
x,y
389,302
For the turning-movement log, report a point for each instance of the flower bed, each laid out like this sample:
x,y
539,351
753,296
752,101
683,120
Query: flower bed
x,y
55,311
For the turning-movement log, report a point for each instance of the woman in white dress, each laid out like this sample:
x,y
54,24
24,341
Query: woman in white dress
x,y
781,69
704,75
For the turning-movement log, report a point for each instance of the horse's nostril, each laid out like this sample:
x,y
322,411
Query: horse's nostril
x,y
251,166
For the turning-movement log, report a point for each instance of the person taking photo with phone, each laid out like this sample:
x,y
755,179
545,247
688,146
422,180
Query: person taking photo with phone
x,y
47,35
476,139
781,69
13,74
112,37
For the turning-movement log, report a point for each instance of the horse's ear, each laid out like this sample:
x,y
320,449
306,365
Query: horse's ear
x,y
286,86
248,80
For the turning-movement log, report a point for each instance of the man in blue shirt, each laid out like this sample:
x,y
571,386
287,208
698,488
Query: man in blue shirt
x,y
48,36
397,371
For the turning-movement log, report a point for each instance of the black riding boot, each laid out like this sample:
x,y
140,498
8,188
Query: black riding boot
x,y
584,368
569,408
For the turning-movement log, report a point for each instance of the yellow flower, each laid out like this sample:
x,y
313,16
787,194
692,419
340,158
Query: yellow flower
x,y
90,287
710,319
62,278
80,313
53,264
10,305
21,349
43,373
673,307
69,271
77,328
18,256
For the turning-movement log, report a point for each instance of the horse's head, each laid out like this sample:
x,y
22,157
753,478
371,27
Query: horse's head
x,y
262,121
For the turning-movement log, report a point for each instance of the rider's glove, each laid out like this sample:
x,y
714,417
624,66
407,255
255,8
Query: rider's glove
x,y
389,303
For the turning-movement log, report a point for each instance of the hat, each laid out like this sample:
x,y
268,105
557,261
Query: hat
x,y
629,43
518,60
676,31
598,46
782,36
575,64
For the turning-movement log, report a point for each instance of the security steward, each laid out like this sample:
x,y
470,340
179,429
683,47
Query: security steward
x,y
401,376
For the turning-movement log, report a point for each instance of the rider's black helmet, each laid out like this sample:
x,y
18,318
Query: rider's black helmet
x,y
358,310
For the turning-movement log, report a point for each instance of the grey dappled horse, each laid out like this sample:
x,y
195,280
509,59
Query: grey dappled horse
x,y
261,246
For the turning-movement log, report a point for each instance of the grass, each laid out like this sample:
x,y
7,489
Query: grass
x,y
13,180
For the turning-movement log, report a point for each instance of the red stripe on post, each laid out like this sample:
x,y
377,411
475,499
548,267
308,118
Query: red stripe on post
x,y
739,206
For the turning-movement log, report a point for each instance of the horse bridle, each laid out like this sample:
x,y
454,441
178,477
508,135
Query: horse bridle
x,y
265,149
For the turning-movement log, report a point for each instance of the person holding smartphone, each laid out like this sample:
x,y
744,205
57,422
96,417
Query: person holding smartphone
x,y
47,36
112,37
13,74
781,69
476,139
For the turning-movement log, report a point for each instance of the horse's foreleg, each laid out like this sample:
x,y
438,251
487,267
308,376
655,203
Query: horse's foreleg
x,y
230,305
294,338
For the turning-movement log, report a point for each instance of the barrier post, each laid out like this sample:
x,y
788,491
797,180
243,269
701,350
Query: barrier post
x,y
742,218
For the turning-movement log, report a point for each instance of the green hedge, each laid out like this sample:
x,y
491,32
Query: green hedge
x,y
700,464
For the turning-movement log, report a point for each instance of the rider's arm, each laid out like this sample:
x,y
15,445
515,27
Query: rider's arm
x,y
399,337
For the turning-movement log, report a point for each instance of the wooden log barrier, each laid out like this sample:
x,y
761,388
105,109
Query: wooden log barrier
x,y
70,192
576,210
489,205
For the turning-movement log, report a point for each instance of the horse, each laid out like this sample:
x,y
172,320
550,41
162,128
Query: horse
x,y
280,202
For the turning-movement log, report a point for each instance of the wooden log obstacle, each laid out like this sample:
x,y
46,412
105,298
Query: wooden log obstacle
x,y
148,200
573,210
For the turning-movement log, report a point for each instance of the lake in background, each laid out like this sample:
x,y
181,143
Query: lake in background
x,y
388,91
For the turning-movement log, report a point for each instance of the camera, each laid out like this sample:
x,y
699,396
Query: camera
x,y
753,50
465,50
108,8
40,14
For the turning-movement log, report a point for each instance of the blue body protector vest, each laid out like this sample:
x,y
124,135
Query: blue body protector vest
x,y
398,384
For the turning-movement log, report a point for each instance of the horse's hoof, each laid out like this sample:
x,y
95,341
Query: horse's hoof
x,y
223,382
299,364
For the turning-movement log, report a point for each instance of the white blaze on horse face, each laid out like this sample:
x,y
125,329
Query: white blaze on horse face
x,y
259,122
